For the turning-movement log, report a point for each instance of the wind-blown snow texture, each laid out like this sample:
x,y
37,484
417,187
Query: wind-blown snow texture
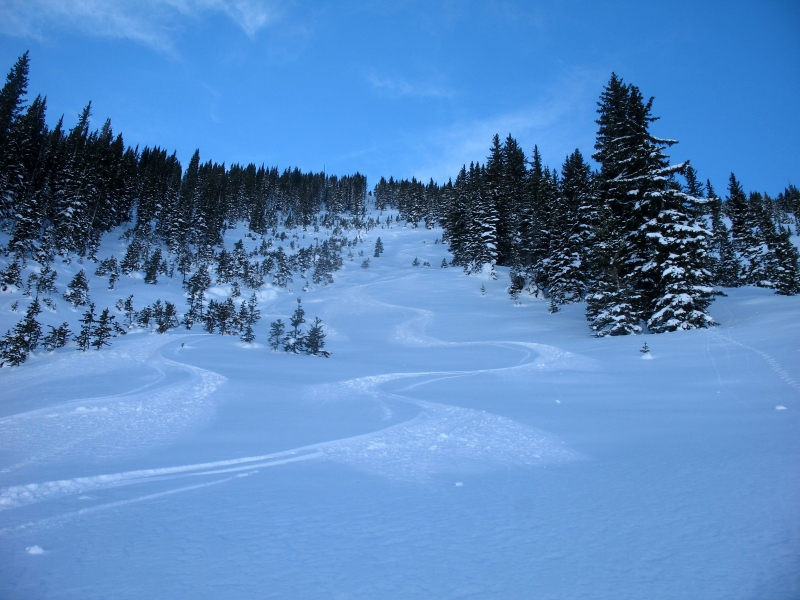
x,y
454,445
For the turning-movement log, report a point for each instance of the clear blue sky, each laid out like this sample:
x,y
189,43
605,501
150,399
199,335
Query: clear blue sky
x,y
417,88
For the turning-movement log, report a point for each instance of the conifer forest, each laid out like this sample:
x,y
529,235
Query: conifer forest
x,y
646,244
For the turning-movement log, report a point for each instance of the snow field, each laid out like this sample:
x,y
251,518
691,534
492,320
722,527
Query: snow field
x,y
454,445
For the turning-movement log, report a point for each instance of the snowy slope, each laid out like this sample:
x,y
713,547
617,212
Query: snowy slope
x,y
454,445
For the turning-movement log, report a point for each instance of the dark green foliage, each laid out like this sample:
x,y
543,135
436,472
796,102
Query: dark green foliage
x,y
277,331
11,275
153,267
46,283
378,248
86,334
57,338
110,267
103,330
315,339
787,271
294,341
77,292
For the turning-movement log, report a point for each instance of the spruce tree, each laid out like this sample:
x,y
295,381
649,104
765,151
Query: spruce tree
x,y
152,267
315,339
660,271
566,265
276,334
29,327
103,330
378,248
77,292
725,265
86,335
295,340
787,270
57,338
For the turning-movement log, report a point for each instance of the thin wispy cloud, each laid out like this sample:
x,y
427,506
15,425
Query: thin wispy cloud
x,y
397,86
560,121
155,23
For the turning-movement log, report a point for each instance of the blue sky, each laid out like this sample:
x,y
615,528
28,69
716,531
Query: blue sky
x,y
409,88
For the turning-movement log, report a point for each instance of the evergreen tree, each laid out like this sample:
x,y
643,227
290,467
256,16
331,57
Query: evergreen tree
x,y
77,292
12,99
295,340
787,271
152,267
167,318
86,335
249,316
566,265
283,273
725,266
29,328
57,338
378,248
315,339
660,272
276,334
13,349
11,275
46,284
103,330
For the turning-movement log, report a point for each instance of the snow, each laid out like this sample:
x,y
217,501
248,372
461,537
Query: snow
x,y
454,445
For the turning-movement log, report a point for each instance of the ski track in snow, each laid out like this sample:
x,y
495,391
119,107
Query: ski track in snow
x,y
444,437
109,426
441,438
774,364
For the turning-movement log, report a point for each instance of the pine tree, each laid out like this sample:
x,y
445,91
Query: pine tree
x,y
152,267
166,318
283,273
566,265
787,270
660,259
29,328
57,338
11,275
77,292
84,338
725,266
378,248
13,349
103,330
276,334
128,311
295,339
249,316
315,339
12,99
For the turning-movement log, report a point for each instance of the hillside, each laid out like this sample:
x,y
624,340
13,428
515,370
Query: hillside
x,y
455,444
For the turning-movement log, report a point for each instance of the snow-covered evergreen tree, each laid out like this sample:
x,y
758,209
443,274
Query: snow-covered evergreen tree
x,y
86,335
295,340
315,339
77,292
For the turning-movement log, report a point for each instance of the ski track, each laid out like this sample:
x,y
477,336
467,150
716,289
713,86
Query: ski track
x,y
109,426
439,439
774,364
